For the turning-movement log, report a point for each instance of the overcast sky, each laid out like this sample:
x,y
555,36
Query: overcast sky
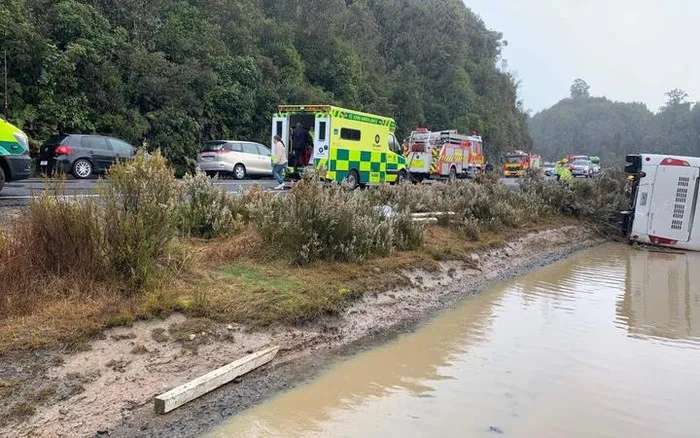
x,y
627,50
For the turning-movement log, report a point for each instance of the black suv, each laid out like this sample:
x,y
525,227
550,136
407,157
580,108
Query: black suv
x,y
82,155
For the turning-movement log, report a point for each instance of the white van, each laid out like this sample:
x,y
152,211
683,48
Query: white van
x,y
664,201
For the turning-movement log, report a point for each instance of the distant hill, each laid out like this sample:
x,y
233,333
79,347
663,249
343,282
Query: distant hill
x,y
587,125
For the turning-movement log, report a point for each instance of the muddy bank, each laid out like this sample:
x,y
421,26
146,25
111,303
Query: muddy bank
x,y
109,388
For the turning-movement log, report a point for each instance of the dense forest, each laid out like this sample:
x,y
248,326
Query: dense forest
x,y
582,124
169,74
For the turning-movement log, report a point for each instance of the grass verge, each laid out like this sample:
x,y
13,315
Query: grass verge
x,y
154,247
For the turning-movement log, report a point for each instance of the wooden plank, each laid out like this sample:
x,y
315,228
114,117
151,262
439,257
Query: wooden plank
x,y
433,214
177,397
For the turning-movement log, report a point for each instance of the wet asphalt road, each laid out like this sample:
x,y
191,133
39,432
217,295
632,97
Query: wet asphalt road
x,y
19,193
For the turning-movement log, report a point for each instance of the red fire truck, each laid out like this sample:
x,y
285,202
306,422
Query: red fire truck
x,y
443,154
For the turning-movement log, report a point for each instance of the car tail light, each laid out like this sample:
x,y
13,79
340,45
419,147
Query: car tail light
x,y
63,150
223,151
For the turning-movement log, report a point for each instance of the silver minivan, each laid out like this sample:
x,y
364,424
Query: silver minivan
x,y
237,158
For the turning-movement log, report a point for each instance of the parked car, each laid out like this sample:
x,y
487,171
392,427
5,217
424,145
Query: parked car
x,y
82,155
582,168
549,169
15,163
237,158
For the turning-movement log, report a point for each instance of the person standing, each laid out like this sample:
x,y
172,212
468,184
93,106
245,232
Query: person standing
x,y
301,140
279,161
564,175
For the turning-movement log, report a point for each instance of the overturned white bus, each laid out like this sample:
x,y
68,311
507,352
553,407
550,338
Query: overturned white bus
x,y
664,206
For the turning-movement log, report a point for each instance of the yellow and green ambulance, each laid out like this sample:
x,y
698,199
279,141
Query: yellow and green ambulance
x,y
347,146
15,162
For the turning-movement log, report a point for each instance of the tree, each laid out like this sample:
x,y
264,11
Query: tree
x,y
580,89
676,97
611,130
171,74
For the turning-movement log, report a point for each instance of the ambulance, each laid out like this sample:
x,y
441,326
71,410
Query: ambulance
x,y
15,162
664,209
348,146
443,154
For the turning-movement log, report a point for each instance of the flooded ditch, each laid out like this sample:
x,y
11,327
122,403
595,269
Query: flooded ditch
x,y
605,343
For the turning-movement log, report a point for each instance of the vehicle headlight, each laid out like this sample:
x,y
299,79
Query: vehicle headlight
x,y
22,139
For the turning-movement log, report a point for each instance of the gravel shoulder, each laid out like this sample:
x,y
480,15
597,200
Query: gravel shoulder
x,y
109,387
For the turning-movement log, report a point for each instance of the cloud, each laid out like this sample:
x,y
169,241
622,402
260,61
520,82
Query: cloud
x,y
628,50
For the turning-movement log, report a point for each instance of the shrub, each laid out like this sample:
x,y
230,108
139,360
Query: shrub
x,y
141,217
53,239
208,211
327,222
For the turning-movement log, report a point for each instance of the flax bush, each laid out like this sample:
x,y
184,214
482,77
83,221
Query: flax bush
x,y
327,222
208,212
141,218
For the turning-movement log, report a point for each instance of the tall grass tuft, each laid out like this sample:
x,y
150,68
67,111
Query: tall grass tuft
x,y
208,210
141,218
327,222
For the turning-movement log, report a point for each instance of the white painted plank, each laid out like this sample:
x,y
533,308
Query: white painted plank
x,y
434,213
177,397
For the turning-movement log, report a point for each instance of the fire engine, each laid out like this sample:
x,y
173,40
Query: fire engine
x,y
443,154
518,163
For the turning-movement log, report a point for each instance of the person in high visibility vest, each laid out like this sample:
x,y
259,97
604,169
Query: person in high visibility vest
x,y
563,173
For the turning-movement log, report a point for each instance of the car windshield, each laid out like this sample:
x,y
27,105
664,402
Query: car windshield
x,y
213,146
514,159
581,163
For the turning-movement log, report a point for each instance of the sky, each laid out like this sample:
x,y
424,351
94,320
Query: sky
x,y
627,50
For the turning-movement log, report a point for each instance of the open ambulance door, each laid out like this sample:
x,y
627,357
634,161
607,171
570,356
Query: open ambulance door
x,y
280,126
322,137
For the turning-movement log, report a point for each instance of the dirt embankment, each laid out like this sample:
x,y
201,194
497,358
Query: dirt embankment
x,y
109,388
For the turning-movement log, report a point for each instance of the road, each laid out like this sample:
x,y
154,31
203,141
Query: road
x,y
19,193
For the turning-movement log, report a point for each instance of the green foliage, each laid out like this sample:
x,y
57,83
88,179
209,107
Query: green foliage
x,y
319,222
141,206
169,74
610,130
207,212
580,89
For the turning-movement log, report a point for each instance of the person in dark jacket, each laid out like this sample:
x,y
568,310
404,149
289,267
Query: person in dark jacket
x,y
301,142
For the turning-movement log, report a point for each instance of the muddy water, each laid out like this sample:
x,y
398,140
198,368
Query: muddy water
x,y
604,344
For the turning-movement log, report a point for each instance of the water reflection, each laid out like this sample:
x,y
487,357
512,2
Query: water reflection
x,y
547,354
412,365
662,297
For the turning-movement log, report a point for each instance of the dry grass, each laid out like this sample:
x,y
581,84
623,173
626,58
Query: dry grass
x,y
236,280
247,276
